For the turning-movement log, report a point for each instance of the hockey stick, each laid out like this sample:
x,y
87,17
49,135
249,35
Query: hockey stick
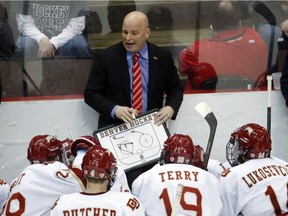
x,y
267,14
269,79
269,89
209,116
71,134
176,203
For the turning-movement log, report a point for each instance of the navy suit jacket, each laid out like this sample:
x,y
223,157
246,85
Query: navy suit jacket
x,y
284,80
109,82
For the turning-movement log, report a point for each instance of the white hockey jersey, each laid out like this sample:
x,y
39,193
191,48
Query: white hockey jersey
x,y
38,186
257,187
110,203
156,190
4,194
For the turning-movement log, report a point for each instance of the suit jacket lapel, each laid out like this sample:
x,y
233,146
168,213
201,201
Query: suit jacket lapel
x,y
153,65
122,68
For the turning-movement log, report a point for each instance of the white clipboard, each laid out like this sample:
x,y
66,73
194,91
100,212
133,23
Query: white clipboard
x,y
134,144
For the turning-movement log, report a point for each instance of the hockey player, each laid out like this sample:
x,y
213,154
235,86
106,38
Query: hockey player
x,y
79,148
256,184
99,167
179,164
41,183
4,194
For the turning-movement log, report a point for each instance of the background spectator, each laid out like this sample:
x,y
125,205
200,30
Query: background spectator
x,y
234,51
51,28
268,17
7,44
117,10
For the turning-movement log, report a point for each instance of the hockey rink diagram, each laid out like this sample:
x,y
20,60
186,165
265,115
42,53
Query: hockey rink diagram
x,y
134,143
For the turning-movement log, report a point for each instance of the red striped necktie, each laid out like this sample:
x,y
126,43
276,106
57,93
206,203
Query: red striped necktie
x,y
137,84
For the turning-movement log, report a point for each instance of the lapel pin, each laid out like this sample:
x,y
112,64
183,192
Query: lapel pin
x,y
155,58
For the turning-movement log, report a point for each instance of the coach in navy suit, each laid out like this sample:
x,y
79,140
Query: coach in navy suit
x,y
109,86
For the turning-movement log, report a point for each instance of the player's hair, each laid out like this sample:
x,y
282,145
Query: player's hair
x,y
94,180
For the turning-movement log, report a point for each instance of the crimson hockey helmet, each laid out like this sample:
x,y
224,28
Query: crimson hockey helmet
x,y
43,148
177,149
198,156
251,141
99,163
83,142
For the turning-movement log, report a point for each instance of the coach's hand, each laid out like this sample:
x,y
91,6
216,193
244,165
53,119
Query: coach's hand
x,y
126,114
164,115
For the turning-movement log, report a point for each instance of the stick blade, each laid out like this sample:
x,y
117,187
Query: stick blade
x,y
203,109
210,118
178,196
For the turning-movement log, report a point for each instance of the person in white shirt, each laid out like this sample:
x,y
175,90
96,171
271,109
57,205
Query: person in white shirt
x,y
4,194
99,168
256,184
180,163
50,28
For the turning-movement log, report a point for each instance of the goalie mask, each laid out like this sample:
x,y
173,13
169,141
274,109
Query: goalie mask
x,y
251,141
43,148
180,149
99,163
